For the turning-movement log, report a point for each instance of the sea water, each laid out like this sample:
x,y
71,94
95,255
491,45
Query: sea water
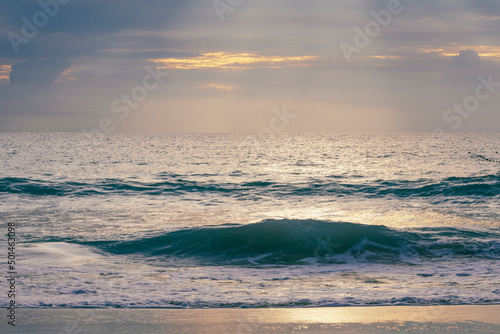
x,y
230,220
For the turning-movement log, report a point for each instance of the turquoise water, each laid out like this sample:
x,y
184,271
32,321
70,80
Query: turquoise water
x,y
205,220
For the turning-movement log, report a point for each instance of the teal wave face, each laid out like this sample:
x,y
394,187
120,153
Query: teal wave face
x,y
286,242
472,187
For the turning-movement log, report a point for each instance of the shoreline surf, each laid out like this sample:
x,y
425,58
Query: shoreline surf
x,y
372,319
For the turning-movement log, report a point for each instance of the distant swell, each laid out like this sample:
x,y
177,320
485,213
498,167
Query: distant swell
x,y
471,187
302,241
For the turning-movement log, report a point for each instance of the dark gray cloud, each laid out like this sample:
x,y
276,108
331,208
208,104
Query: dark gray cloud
x,y
466,59
37,72
82,27
30,90
465,68
94,16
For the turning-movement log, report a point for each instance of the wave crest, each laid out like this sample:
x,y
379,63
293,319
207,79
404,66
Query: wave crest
x,y
471,187
302,241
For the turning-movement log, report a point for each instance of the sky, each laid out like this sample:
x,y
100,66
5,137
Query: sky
x,y
174,66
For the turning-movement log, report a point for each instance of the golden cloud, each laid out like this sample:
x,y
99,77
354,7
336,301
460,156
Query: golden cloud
x,y
218,86
385,57
234,61
484,51
4,72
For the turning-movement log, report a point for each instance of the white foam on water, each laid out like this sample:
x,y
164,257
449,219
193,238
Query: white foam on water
x,y
68,275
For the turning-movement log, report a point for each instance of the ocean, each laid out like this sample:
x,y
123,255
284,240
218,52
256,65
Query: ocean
x,y
237,221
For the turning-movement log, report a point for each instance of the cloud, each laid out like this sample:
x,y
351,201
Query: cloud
x,y
490,52
466,59
217,86
37,72
85,27
29,91
265,53
235,61
465,68
4,72
96,16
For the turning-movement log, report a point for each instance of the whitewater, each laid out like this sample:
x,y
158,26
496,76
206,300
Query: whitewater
x,y
230,220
